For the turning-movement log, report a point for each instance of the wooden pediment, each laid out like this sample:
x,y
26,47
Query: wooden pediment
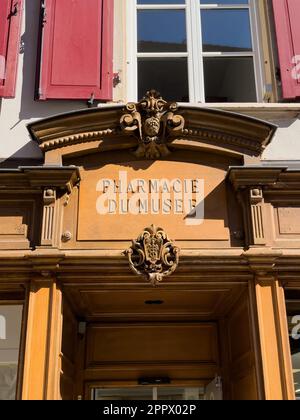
x,y
152,129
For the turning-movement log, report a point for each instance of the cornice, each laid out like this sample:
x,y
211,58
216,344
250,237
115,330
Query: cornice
x,y
62,177
238,133
80,138
273,178
198,265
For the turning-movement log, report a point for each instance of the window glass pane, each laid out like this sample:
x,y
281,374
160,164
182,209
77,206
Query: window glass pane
x,y
10,332
224,2
226,30
169,76
295,350
161,31
229,79
160,1
293,315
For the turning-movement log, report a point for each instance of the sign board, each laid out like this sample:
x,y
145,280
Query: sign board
x,y
117,201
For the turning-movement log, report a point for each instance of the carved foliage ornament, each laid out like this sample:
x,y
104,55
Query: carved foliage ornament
x,y
153,255
152,121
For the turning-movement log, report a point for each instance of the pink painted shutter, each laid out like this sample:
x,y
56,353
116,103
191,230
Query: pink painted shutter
x,y
287,18
77,50
10,26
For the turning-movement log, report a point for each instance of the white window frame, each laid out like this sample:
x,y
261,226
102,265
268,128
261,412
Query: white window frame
x,y
194,54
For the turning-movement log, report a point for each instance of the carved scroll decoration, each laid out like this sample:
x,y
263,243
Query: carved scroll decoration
x,y
152,121
153,255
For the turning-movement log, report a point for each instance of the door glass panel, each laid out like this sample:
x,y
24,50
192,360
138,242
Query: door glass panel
x,y
293,313
180,394
10,332
122,394
148,393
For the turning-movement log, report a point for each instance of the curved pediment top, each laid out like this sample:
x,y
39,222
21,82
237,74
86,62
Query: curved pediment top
x,y
152,128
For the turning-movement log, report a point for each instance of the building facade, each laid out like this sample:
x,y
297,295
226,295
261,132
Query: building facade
x,y
149,199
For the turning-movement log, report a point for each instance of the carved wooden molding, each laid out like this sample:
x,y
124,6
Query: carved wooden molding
x,y
87,137
263,262
273,179
257,216
48,226
152,121
153,255
154,124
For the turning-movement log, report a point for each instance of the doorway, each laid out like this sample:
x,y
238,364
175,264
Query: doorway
x,y
158,343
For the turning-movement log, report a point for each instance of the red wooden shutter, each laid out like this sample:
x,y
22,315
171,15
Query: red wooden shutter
x,y
77,50
287,18
10,26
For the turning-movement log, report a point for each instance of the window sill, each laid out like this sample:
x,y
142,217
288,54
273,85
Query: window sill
x,y
268,111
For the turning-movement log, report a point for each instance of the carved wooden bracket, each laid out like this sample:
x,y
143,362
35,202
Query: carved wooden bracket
x,y
262,262
48,227
153,255
257,210
152,121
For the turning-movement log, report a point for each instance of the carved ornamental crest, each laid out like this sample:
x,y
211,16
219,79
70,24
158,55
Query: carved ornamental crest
x,y
153,255
152,121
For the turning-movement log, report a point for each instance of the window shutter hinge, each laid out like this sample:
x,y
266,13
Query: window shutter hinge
x,y
43,12
91,100
15,11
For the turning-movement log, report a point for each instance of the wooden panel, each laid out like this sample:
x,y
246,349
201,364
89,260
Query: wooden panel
x,y
5,7
144,343
69,335
287,14
201,373
68,353
16,224
244,388
242,368
77,50
10,26
186,303
116,303
274,340
98,221
289,220
238,326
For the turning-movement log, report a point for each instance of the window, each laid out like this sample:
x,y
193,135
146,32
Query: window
x,y
293,315
10,334
195,50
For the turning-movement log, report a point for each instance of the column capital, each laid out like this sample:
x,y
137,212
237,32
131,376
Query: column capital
x,y
262,261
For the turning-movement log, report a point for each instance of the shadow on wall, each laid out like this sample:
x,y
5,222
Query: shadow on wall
x,y
17,159
31,109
